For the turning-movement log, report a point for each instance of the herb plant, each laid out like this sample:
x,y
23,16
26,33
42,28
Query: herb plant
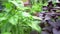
x,y
15,20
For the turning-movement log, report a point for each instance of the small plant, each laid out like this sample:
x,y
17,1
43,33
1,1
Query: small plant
x,y
15,20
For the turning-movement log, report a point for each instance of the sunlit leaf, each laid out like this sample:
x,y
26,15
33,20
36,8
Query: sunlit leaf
x,y
2,18
14,20
34,25
6,33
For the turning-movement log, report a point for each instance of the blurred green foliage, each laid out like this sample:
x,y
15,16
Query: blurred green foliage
x,y
15,20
